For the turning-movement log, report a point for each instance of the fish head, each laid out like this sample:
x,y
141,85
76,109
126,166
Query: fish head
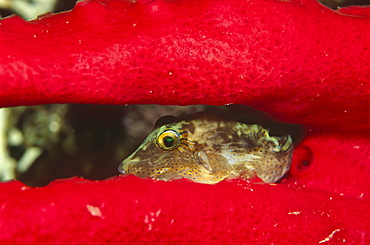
x,y
207,149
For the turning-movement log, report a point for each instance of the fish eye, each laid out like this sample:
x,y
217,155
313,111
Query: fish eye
x,y
168,139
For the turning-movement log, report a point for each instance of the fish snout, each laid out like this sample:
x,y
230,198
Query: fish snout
x,y
123,167
129,165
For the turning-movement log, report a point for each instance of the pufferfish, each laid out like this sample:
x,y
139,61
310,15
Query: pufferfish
x,y
206,148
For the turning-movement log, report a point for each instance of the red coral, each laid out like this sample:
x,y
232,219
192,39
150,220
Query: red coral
x,y
297,60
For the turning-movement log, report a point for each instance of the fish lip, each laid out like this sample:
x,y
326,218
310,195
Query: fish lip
x,y
124,166
121,168
127,165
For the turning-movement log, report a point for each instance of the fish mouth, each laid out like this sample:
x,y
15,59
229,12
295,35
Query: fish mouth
x,y
129,166
143,170
125,167
122,168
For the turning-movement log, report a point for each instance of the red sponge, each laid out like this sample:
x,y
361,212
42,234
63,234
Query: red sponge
x,y
138,211
287,58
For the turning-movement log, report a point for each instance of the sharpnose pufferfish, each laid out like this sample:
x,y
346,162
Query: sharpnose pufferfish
x,y
207,149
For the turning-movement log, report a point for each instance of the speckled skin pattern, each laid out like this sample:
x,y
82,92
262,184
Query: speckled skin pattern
x,y
210,149
296,60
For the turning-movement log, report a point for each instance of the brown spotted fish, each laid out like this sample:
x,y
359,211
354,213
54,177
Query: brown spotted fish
x,y
207,149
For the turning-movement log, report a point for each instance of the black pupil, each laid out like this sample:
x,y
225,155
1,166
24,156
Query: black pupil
x,y
168,141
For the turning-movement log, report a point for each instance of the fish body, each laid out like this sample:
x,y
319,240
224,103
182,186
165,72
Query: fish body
x,y
207,149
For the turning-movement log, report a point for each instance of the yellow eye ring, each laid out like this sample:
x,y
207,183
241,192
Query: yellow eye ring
x,y
168,140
